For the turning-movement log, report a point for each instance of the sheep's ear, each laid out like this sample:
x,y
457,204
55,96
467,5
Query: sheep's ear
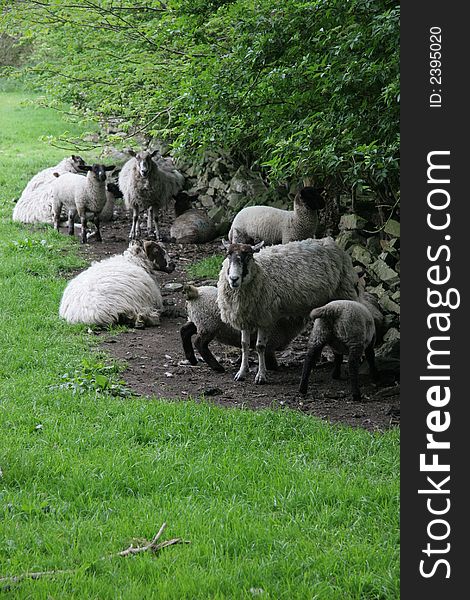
x,y
56,174
226,244
85,167
110,168
258,246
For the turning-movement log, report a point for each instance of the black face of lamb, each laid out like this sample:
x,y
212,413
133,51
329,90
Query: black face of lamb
x,y
78,161
99,171
159,257
313,198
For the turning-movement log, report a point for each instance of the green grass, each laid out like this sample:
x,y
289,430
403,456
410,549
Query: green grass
x,y
275,504
207,267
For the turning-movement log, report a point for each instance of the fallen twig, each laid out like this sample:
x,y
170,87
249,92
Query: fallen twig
x,y
152,545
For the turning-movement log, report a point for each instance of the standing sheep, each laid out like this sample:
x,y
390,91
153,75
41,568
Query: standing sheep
x,y
120,289
35,203
204,320
257,288
347,327
148,185
81,195
275,226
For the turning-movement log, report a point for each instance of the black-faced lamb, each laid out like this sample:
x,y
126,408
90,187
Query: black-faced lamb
x,y
35,203
121,289
348,328
191,226
81,195
257,287
149,186
275,226
204,321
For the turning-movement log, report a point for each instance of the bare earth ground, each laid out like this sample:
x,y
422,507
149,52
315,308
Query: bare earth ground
x,y
157,366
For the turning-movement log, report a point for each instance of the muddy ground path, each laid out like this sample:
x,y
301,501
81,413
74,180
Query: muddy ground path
x,y
156,366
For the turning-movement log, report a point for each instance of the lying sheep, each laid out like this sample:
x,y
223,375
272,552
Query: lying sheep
x,y
35,203
148,185
275,226
120,289
257,288
80,195
191,226
347,327
204,320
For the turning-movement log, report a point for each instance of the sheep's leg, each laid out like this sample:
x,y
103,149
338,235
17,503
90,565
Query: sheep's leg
x,y
312,357
151,319
83,223
336,374
202,345
152,226
370,357
244,369
261,342
354,361
97,225
135,229
71,221
56,211
187,332
271,361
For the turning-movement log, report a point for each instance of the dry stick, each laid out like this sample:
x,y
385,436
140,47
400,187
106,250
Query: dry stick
x,y
129,551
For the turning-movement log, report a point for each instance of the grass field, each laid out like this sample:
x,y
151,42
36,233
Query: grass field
x,y
275,504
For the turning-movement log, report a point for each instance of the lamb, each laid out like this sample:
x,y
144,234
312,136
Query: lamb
x,y
347,327
204,319
80,195
35,203
258,287
275,226
191,226
148,185
120,289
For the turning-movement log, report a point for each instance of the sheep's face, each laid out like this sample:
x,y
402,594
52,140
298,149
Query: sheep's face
x,y
240,257
77,162
159,257
312,198
98,171
144,162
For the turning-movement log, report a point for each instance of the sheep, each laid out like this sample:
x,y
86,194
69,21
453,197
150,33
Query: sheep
x,y
35,202
258,287
191,226
119,289
204,319
347,327
80,195
148,185
275,226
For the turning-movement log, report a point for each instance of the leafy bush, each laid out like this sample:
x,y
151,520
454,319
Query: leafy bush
x,y
300,89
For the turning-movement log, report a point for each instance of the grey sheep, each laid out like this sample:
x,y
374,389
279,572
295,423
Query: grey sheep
x,y
275,226
204,320
348,328
191,226
149,186
80,195
258,287
35,203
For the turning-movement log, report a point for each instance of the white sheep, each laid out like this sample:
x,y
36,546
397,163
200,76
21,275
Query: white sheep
x,y
35,203
348,328
204,320
256,289
275,226
120,289
80,195
148,185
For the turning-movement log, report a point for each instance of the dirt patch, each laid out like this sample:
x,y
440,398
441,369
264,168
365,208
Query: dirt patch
x,y
157,366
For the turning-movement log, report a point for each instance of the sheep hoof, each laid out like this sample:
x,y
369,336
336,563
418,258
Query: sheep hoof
x,y
240,375
260,379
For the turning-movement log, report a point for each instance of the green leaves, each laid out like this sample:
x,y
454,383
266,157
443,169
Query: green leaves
x,y
301,88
